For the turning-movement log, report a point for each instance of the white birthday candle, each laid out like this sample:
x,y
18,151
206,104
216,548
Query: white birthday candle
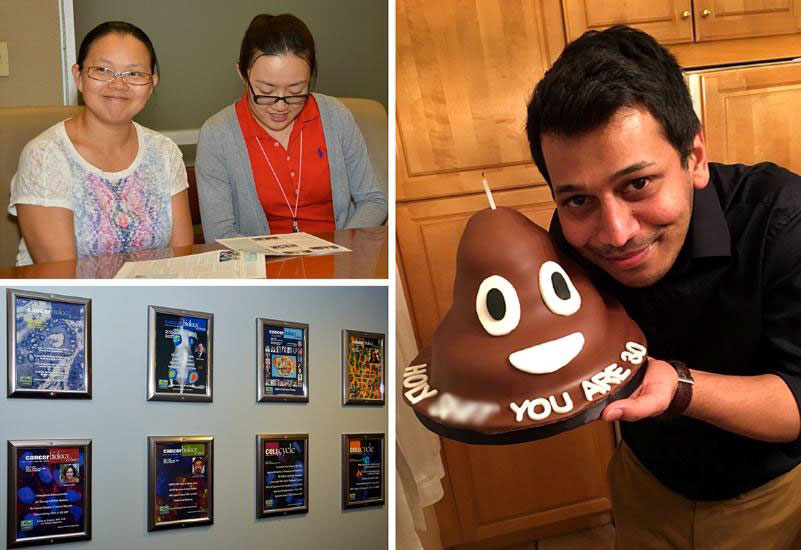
x,y
487,191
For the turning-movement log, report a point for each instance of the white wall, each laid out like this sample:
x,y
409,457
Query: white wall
x,y
119,418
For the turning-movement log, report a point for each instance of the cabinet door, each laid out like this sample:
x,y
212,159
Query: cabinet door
x,y
669,21
535,489
465,71
753,114
716,19
428,235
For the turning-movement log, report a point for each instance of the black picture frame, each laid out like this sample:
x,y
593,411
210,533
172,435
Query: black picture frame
x,y
181,371
49,345
174,458
279,492
363,484
52,471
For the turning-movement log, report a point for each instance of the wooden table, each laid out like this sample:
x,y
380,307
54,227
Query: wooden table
x,y
368,260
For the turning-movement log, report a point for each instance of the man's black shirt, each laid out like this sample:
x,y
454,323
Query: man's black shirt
x,y
731,304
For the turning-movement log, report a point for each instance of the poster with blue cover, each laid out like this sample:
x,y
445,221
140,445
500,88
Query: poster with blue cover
x,y
180,482
49,345
180,355
362,470
283,361
51,487
283,474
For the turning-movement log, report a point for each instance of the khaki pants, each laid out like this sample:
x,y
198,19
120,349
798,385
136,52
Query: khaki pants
x,y
649,516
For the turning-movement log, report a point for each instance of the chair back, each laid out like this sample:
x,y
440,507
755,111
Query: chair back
x,y
19,125
371,117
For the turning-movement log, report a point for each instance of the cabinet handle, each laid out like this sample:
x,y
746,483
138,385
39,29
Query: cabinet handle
x,y
685,14
706,13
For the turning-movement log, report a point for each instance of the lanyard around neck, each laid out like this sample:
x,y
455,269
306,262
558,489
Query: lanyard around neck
x,y
294,213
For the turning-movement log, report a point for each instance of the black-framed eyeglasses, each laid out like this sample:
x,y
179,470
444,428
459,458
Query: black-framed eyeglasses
x,y
104,74
273,99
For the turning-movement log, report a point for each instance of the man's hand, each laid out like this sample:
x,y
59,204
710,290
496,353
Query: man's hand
x,y
652,398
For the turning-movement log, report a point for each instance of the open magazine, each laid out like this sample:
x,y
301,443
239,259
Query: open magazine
x,y
289,244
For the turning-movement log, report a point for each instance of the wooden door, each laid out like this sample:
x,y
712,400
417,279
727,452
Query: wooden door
x,y
753,114
669,21
716,19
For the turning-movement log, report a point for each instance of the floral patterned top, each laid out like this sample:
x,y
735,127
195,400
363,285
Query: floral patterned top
x,y
113,212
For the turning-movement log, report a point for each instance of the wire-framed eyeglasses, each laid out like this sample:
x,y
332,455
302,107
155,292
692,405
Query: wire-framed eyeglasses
x,y
273,99
104,74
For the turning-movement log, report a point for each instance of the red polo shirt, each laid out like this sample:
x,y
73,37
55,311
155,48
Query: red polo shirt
x,y
315,206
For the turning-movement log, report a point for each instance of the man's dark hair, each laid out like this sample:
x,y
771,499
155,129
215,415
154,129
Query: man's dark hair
x,y
599,73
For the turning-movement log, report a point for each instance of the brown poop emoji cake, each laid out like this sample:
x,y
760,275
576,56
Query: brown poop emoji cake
x,y
529,348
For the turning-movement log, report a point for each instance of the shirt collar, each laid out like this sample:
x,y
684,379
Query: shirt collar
x,y
709,231
251,128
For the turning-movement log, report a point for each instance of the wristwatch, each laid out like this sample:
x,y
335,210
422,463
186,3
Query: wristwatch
x,y
684,392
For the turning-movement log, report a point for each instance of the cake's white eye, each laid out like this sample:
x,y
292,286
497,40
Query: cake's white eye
x,y
557,289
497,305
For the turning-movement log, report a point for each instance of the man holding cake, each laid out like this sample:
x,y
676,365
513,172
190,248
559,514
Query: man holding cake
x,y
706,258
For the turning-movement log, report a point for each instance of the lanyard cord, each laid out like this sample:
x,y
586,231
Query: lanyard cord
x,y
295,226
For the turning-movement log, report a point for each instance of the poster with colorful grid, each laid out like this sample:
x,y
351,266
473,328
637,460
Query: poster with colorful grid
x,y
283,360
362,368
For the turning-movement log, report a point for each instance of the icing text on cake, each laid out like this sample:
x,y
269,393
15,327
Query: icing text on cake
x,y
548,406
602,381
415,380
634,353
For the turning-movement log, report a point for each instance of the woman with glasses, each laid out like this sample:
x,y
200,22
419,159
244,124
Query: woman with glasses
x,y
100,183
282,159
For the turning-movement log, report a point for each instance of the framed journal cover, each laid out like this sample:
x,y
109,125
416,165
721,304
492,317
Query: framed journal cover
x,y
362,368
362,470
180,481
283,352
283,474
180,347
49,345
49,491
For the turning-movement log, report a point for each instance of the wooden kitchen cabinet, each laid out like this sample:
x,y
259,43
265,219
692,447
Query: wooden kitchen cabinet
x,y
752,114
699,32
669,21
497,496
721,19
465,71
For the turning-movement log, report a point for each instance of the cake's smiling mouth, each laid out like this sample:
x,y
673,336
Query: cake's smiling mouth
x,y
549,356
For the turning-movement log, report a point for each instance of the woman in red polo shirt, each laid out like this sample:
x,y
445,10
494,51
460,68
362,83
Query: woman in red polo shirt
x,y
282,159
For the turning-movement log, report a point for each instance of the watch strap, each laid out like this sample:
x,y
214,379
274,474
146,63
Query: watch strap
x,y
684,391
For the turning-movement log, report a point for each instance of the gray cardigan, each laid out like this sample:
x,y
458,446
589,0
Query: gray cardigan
x,y
229,204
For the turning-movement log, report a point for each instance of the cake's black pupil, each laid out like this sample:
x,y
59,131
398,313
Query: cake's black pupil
x,y
496,305
560,285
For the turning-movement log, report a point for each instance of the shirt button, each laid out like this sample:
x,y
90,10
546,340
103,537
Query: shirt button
x,y
287,157
275,144
292,174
